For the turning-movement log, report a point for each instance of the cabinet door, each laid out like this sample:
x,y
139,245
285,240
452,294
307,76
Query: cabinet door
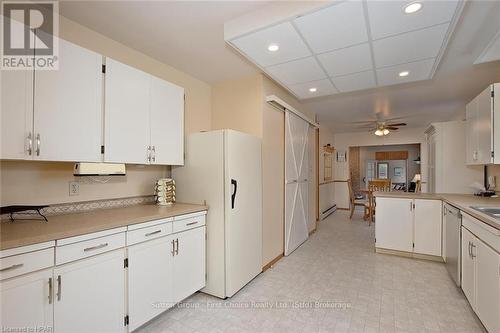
x,y
468,275
428,227
16,121
496,121
484,128
189,263
26,301
394,224
68,107
167,122
150,274
471,133
487,285
90,294
126,110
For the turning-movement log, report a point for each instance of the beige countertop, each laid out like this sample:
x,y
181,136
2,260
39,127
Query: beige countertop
x,y
21,233
460,201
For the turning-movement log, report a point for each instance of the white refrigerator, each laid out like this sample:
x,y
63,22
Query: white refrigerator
x,y
223,169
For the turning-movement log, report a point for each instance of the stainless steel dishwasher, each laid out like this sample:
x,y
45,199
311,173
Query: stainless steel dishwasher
x,y
453,222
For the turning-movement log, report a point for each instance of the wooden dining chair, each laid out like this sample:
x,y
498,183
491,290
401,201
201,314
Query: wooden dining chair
x,y
375,185
355,202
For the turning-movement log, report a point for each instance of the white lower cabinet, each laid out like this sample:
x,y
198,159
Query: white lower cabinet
x,y
481,279
89,294
189,263
150,280
409,225
26,301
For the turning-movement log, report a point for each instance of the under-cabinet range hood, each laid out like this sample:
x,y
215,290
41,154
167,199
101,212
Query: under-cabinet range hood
x,y
99,169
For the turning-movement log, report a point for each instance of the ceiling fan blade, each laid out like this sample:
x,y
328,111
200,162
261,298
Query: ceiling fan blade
x,y
392,128
398,124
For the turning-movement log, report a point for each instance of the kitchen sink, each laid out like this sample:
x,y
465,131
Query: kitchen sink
x,y
491,211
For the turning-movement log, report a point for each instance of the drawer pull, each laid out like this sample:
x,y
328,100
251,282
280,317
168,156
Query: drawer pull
x,y
191,223
97,247
177,246
152,233
11,267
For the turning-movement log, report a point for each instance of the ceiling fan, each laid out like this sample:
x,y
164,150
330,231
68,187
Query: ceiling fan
x,y
382,127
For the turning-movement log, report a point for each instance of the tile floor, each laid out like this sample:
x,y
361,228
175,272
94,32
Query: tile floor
x,y
357,291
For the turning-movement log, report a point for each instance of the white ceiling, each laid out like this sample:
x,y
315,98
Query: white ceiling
x,y
352,43
190,37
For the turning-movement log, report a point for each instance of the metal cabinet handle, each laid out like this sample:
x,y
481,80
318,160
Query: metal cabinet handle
x,y
59,288
38,144
173,247
97,247
469,249
50,290
11,267
191,223
177,246
149,154
153,150
30,144
152,233
411,206
472,247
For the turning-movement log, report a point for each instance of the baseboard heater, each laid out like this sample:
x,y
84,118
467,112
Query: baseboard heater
x,y
328,211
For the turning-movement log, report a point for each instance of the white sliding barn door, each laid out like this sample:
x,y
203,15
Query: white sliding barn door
x,y
296,182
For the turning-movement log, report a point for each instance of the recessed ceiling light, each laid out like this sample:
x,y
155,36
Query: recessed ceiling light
x,y
313,89
273,47
413,7
404,73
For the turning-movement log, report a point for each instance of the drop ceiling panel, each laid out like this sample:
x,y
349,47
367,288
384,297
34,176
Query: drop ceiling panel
x,y
412,46
352,45
348,60
419,70
297,71
388,17
334,27
284,35
352,82
323,88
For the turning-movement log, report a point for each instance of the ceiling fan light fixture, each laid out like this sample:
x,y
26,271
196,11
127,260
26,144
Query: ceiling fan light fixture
x,y
412,7
385,131
273,47
379,132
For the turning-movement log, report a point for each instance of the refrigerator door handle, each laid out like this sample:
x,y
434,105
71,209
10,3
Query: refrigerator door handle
x,y
233,195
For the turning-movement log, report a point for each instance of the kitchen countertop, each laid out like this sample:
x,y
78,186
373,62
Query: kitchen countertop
x,y
21,233
460,201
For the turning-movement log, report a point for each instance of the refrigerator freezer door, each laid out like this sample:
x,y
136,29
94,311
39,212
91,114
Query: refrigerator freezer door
x,y
243,228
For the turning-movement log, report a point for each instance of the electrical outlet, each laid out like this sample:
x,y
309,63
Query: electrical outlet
x,y
74,188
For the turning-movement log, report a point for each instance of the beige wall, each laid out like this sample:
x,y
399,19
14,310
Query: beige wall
x,y
237,104
28,182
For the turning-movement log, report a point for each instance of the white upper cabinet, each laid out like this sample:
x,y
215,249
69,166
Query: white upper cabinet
x,y
144,117
482,125
167,123
68,107
16,105
126,110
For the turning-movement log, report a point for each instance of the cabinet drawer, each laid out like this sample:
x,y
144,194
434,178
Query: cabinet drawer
x,y
26,263
88,248
187,223
144,234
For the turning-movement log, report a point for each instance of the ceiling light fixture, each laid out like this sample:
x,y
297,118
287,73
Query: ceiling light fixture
x,y
379,132
273,47
385,131
413,7
404,73
313,89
